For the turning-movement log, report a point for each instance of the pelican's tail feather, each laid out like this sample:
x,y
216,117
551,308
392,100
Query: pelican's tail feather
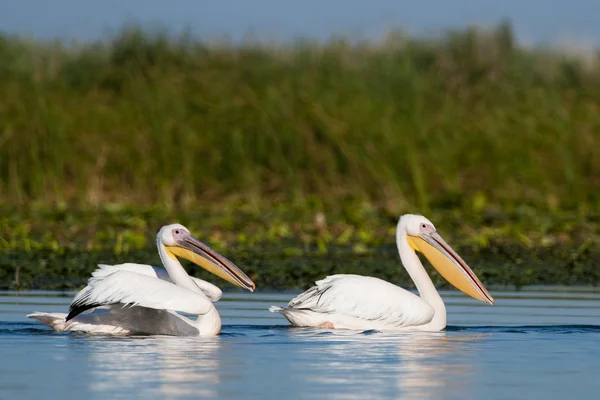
x,y
90,323
56,321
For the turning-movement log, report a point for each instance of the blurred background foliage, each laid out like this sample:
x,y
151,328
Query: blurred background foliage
x,y
297,160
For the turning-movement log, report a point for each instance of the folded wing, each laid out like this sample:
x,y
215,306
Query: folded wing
x,y
210,290
366,298
139,289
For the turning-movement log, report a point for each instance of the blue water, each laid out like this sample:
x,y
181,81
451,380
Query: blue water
x,y
533,344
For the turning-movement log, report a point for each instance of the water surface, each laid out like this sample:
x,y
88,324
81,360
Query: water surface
x,y
533,344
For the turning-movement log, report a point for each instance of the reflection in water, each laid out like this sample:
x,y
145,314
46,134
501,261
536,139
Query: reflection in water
x,y
173,366
432,365
422,365
361,365
524,347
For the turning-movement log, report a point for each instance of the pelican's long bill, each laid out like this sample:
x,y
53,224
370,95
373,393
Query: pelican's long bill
x,y
200,254
450,265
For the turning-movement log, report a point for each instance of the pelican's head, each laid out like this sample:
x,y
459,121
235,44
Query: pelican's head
x,y
179,242
423,237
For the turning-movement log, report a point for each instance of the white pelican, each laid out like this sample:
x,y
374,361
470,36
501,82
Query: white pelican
x,y
363,302
142,299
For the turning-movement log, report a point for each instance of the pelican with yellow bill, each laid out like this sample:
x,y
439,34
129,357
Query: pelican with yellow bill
x,y
142,299
363,302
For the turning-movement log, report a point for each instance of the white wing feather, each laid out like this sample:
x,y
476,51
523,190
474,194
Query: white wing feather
x,y
210,290
133,288
366,298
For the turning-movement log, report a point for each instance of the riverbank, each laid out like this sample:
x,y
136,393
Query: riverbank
x,y
286,248
296,161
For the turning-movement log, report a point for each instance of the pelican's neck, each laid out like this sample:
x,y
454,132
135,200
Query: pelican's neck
x,y
208,324
421,278
175,269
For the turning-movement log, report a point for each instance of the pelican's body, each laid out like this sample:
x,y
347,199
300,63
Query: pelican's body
x,y
362,302
142,299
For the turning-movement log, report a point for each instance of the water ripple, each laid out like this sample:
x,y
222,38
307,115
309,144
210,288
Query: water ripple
x,y
532,346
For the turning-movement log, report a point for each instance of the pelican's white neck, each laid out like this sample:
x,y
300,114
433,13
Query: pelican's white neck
x,y
421,278
175,269
208,324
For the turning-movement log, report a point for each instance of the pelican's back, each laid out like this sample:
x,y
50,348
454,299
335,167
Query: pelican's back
x,y
356,302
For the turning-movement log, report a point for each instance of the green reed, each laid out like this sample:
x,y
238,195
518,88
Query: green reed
x,y
467,120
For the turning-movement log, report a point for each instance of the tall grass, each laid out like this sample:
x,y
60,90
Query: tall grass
x,y
465,119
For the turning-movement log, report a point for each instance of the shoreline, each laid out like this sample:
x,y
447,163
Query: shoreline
x,y
274,266
59,250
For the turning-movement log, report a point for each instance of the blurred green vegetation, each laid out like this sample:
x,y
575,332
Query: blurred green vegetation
x,y
149,119
297,160
284,247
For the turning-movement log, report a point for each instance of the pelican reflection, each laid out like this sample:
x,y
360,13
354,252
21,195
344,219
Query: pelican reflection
x,y
172,366
420,364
